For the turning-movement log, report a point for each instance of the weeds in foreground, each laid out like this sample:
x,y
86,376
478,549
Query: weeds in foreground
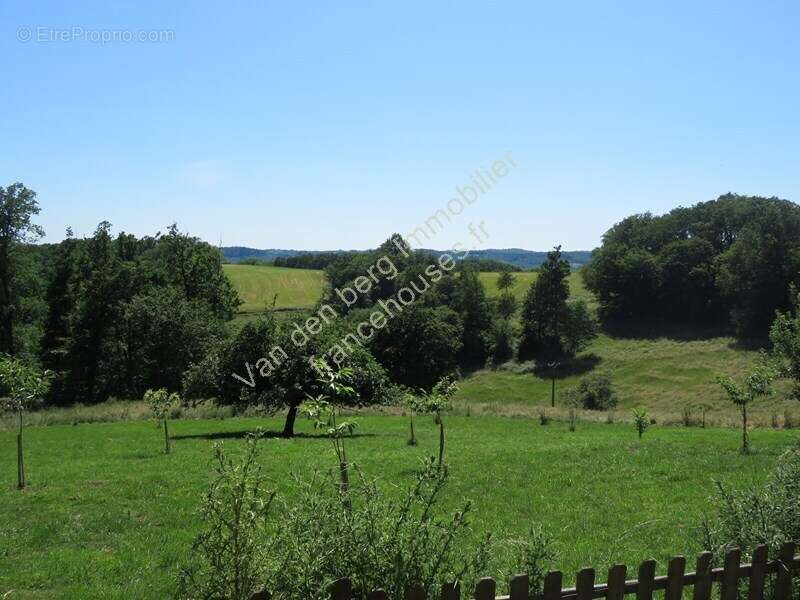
x,y
255,541
768,515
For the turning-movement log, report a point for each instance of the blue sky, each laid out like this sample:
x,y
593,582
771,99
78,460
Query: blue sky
x,y
332,124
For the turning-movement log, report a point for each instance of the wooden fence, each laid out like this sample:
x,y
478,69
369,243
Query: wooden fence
x,y
702,580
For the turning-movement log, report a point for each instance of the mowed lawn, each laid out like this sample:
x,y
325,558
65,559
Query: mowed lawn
x,y
259,285
107,515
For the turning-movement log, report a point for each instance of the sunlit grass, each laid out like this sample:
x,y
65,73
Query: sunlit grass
x,y
108,515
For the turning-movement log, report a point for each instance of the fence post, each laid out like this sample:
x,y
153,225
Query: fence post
x,y
647,573
730,576
341,589
584,584
783,582
758,573
616,582
519,587
675,571
552,585
486,589
702,585
451,591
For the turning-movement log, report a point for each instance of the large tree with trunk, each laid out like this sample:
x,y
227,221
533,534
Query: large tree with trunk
x,y
262,366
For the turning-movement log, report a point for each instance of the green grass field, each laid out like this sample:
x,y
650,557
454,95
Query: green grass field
x,y
662,375
301,288
258,285
107,515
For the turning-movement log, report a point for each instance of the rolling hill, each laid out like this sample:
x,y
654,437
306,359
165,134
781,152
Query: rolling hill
x,y
524,259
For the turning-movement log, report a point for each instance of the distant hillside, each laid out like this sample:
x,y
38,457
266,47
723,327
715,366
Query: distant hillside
x,y
524,259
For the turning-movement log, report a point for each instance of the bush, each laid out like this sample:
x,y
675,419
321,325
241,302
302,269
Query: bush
x,y
228,558
595,392
769,514
297,549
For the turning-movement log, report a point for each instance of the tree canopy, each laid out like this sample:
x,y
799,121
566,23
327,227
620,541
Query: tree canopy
x,y
729,261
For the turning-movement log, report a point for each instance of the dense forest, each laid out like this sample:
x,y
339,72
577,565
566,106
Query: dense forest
x,y
730,261
116,315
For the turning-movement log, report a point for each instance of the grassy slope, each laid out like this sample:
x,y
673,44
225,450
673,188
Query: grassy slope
x,y
257,285
107,515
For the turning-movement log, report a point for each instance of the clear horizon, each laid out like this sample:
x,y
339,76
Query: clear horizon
x,y
324,126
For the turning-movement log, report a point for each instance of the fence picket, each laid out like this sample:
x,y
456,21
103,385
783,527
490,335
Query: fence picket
x,y
451,591
647,575
416,592
616,582
486,589
675,571
730,576
519,588
783,581
584,584
758,573
552,585
341,589
702,584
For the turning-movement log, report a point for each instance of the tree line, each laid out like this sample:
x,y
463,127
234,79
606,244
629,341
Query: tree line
x,y
116,315
729,262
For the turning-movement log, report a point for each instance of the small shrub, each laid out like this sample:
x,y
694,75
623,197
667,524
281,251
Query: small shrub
x,y
533,556
161,404
228,558
543,418
595,392
768,514
640,420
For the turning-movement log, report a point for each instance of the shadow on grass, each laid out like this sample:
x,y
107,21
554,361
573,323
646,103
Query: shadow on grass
x,y
650,329
236,435
568,367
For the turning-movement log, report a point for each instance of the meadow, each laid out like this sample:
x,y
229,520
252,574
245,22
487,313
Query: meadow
x,y
108,515
290,288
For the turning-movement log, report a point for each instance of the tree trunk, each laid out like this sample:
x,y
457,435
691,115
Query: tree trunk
x,y
291,417
20,462
745,441
167,447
